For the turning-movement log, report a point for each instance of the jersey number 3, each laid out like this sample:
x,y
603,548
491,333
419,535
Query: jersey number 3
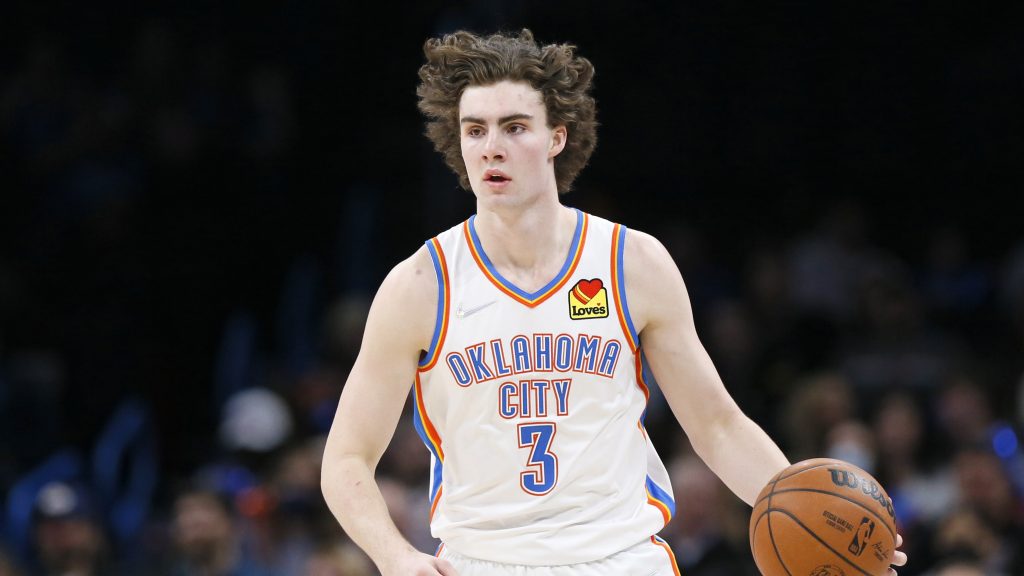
x,y
542,465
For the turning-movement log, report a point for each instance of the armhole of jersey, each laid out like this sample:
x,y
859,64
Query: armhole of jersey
x,y
443,300
619,287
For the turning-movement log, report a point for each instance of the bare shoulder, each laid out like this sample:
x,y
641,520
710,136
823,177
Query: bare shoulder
x,y
642,249
416,272
406,302
652,279
647,263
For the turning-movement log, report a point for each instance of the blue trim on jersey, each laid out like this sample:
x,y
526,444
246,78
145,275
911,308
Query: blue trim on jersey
x,y
573,249
439,319
661,496
622,284
646,378
435,482
437,464
645,371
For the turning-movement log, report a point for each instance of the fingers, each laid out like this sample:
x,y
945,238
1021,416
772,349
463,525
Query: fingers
x,y
445,568
900,559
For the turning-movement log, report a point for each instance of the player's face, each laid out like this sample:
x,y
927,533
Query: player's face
x,y
507,146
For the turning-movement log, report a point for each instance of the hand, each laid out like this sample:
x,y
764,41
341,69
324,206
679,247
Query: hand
x,y
900,558
418,564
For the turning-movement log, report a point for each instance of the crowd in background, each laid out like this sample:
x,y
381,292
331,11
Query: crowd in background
x,y
193,218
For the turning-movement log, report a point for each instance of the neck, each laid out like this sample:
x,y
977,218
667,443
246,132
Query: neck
x,y
527,243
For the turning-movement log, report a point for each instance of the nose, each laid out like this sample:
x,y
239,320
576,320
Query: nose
x,y
494,148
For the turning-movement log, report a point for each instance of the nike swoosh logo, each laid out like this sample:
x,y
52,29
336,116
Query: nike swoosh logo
x,y
462,313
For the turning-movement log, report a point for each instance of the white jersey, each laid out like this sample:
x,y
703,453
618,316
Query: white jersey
x,y
532,407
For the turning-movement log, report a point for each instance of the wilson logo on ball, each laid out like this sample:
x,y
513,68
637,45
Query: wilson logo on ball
x,y
847,479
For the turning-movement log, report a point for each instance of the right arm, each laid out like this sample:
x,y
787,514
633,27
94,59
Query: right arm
x,y
398,328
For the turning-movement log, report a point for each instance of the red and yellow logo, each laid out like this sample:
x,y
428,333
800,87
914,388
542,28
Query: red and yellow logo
x,y
588,299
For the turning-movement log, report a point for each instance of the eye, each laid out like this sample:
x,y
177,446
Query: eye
x,y
516,129
475,131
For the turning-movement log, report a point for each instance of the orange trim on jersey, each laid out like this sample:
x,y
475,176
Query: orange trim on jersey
x,y
433,507
428,426
445,289
638,360
539,298
617,291
665,512
668,550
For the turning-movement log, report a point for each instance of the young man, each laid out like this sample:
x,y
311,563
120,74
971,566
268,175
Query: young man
x,y
522,330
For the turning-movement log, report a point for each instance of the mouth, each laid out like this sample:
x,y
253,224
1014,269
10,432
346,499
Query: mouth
x,y
496,177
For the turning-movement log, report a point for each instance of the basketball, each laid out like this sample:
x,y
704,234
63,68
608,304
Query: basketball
x,y
823,517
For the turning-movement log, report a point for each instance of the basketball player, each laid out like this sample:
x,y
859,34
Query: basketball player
x,y
526,331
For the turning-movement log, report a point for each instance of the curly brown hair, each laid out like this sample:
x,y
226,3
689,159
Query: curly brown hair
x,y
462,59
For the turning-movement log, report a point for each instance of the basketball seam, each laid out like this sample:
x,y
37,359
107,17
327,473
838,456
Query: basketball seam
x,y
850,500
816,537
779,478
771,533
815,467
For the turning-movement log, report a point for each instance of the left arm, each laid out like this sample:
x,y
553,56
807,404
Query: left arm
x,y
731,444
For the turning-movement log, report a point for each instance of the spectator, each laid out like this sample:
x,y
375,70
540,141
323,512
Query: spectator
x,y
67,535
852,441
964,533
207,538
985,490
964,413
292,525
920,496
818,404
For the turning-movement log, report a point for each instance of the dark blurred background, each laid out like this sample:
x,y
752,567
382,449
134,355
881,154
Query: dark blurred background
x,y
198,201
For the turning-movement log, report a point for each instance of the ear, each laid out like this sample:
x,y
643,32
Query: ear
x,y
559,134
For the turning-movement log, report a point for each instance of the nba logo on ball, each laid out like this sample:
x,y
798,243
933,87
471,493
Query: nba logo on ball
x,y
860,539
588,299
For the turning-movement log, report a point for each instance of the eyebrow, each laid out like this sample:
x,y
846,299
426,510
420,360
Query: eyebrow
x,y
502,120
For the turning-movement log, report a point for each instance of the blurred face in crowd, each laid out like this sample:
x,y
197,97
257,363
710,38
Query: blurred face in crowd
x,y
69,545
984,484
899,427
964,529
202,527
964,413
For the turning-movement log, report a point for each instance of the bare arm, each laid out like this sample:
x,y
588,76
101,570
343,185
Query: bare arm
x,y
732,445
399,326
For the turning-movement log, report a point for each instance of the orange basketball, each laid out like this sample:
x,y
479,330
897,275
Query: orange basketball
x,y
823,517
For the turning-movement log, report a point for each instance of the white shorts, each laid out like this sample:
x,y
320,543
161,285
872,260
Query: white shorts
x,y
651,557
